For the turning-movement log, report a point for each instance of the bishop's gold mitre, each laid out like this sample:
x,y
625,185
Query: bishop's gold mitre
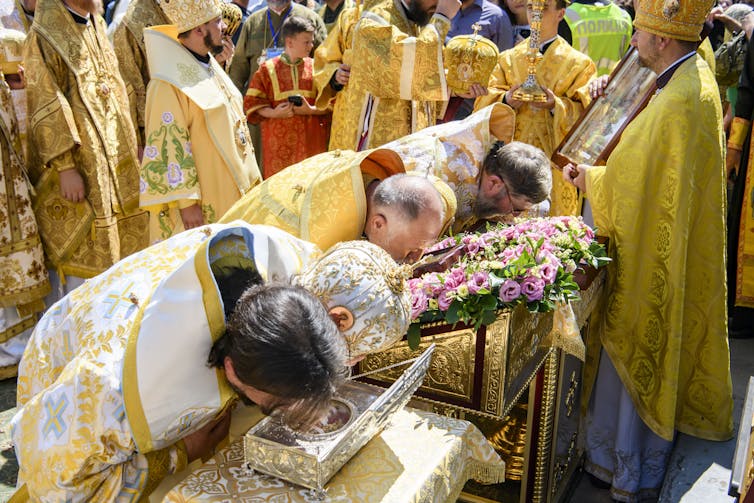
x,y
232,17
469,59
188,14
679,19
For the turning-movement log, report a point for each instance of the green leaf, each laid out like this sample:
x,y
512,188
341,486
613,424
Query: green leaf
x,y
488,317
488,302
453,315
414,336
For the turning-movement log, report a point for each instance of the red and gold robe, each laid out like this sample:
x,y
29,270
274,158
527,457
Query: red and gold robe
x,y
291,140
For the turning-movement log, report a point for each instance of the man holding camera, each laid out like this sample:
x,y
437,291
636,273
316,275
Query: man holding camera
x,y
198,157
281,98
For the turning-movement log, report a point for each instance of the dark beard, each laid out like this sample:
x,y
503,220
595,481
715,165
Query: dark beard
x,y
416,14
214,49
486,207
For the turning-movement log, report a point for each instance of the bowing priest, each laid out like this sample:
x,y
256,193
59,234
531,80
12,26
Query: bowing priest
x,y
664,365
328,198
491,176
383,66
105,397
198,159
344,195
564,73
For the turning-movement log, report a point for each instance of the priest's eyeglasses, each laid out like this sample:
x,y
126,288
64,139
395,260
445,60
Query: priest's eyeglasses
x,y
515,211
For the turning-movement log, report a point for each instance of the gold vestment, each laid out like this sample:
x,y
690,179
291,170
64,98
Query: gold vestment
x,y
661,201
566,72
397,83
78,119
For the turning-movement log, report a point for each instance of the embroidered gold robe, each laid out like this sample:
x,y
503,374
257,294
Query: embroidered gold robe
x,y
566,72
128,42
23,277
78,118
322,199
198,149
397,84
661,201
454,152
104,396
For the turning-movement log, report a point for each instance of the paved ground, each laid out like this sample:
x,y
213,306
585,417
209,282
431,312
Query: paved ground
x,y
699,470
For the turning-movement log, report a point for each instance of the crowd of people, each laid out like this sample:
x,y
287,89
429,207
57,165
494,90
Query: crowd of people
x,y
199,207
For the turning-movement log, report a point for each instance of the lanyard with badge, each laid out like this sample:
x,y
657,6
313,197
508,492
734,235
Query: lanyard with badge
x,y
272,52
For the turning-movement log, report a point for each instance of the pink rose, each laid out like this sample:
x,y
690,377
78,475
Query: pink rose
x,y
509,290
432,284
455,279
548,271
419,303
444,301
533,288
478,281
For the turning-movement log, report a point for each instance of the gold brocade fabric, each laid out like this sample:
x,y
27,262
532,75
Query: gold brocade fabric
x,y
565,333
661,201
420,457
78,118
397,82
128,42
23,277
566,72
745,271
320,199
455,151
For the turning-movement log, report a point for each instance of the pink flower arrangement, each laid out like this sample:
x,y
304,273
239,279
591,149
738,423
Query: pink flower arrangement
x,y
531,261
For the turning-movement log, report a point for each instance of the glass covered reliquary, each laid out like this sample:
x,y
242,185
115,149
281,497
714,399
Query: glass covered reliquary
x,y
358,413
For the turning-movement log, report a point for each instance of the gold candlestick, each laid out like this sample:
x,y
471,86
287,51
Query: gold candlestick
x,y
530,90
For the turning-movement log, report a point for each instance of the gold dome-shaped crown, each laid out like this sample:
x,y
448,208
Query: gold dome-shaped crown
x,y
188,14
11,45
678,19
362,278
232,17
469,59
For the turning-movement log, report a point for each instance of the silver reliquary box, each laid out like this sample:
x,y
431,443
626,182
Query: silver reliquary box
x,y
358,413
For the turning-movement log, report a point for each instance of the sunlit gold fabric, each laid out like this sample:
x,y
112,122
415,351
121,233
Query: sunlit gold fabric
x,y
23,281
565,71
198,149
321,199
78,118
661,201
420,457
397,84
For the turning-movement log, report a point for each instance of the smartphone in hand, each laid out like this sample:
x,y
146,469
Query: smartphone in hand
x,y
297,101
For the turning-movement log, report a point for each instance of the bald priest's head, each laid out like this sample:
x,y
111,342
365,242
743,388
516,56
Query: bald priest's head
x,y
405,214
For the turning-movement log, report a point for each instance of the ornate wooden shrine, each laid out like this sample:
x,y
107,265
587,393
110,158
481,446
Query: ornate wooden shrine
x,y
511,382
